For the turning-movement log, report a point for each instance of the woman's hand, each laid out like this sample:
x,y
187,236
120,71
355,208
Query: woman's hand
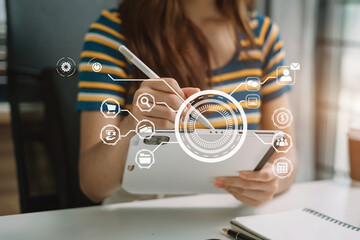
x,y
251,188
161,115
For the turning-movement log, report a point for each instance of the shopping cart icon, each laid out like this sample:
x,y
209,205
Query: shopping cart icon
x,y
111,108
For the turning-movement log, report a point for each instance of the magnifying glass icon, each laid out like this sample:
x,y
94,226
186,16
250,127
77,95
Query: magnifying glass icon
x,y
144,100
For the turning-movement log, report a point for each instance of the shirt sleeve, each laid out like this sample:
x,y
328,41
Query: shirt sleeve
x,y
273,62
101,46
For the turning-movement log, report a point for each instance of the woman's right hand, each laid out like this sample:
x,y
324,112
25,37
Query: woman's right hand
x,y
161,115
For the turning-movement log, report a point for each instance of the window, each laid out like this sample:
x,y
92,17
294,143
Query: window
x,y
349,97
3,80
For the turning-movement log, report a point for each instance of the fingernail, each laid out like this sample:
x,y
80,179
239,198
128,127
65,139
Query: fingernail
x,y
219,183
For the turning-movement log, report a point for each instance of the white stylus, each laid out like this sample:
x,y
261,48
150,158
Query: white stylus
x,y
150,73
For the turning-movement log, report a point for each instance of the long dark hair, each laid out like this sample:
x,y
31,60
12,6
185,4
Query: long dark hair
x,y
160,33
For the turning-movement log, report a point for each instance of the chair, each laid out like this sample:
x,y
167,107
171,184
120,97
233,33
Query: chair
x,y
62,135
38,34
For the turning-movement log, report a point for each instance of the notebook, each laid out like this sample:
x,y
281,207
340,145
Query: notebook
x,y
296,224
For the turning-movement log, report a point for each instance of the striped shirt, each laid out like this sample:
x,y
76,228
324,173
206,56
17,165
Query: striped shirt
x,y
262,61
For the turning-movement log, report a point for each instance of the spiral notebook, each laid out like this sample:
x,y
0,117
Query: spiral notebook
x,y
296,224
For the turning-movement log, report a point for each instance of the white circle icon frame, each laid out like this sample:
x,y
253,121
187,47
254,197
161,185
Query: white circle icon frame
x,y
93,66
219,158
71,71
113,102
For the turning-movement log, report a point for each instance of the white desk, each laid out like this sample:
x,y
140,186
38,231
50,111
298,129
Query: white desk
x,y
191,217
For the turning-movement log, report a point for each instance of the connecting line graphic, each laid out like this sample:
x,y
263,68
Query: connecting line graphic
x,y
141,80
127,133
125,110
237,87
162,144
164,103
262,140
244,83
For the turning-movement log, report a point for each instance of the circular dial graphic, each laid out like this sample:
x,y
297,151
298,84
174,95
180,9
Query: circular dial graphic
x,y
209,145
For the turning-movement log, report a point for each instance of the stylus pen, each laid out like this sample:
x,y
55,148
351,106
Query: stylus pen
x,y
236,235
150,73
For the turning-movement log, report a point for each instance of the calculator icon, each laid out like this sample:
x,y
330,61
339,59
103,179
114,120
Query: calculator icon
x,y
282,167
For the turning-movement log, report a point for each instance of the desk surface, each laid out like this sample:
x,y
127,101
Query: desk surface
x,y
190,217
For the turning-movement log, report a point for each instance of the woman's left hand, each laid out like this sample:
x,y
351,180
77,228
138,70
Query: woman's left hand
x,y
252,188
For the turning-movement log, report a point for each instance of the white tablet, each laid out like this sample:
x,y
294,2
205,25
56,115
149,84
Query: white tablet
x,y
153,167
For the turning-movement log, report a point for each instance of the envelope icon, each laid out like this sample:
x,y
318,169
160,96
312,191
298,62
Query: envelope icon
x,y
295,66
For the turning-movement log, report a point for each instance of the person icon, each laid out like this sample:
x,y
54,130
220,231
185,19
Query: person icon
x,y
282,142
286,76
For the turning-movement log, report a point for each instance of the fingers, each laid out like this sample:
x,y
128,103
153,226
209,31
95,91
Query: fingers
x,y
264,175
250,197
188,91
161,111
166,85
161,123
166,96
245,184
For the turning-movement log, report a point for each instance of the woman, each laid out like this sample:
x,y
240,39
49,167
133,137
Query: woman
x,y
200,44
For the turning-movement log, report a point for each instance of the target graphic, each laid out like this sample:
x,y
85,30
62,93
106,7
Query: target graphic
x,y
211,145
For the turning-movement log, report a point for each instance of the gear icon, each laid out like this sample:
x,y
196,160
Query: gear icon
x,y
66,67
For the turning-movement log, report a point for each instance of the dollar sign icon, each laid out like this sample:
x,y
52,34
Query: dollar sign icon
x,y
282,118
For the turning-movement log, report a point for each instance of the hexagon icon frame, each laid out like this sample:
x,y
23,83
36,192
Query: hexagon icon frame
x,y
104,102
275,172
141,96
152,156
282,126
285,135
112,126
137,129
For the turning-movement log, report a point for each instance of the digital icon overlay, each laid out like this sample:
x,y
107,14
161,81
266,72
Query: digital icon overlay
x,y
219,145
252,101
110,108
96,67
282,118
145,159
66,66
282,167
282,144
145,102
253,84
288,74
110,134
145,129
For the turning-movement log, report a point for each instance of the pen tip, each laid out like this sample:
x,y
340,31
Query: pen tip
x,y
225,230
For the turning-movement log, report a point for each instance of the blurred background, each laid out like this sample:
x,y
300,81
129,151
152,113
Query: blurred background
x,y
39,125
